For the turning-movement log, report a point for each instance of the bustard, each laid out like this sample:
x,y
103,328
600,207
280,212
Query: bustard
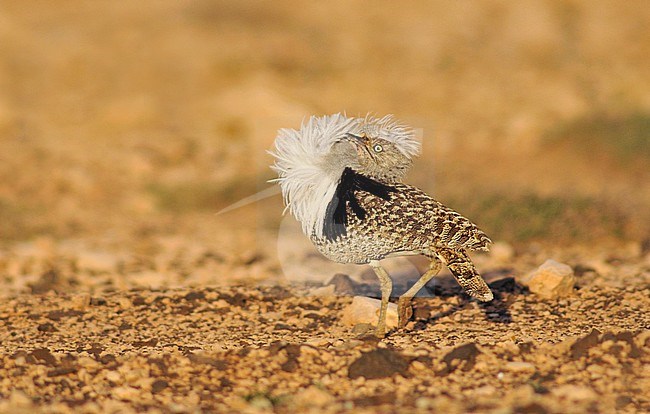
x,y
341,177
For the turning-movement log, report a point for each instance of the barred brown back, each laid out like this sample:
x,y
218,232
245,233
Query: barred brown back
x,y
408,220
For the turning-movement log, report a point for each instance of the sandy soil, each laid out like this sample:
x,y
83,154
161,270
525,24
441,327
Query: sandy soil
x,y
283,347
124,128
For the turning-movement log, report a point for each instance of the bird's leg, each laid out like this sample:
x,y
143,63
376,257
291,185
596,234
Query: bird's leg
x,y
466,275
386,287
404,310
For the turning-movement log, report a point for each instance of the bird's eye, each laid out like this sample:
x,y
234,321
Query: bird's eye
x,y
377,148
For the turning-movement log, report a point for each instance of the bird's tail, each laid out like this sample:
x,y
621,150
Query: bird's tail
x,y
466,275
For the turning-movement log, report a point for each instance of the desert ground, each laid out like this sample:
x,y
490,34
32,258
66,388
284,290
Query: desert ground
x,y
126,129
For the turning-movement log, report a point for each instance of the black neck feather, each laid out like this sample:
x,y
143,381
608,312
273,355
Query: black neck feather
x,y
351,182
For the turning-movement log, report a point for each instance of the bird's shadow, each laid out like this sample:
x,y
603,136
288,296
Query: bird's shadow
x,y
503,286
501,282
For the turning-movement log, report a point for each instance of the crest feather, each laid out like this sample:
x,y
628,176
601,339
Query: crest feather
x,y
306,187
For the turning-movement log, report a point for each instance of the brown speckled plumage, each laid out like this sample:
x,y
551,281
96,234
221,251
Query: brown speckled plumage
x,y
342,177
409,222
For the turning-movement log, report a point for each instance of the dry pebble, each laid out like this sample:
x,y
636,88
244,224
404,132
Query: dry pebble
x,y
551,280
365,310
280,348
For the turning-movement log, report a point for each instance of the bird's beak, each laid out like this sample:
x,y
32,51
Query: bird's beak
x,y
356,139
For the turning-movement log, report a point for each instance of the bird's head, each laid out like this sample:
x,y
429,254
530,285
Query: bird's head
x,y
377,158
369,155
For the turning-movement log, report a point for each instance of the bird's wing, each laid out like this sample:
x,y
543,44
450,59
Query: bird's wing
x,y
411,209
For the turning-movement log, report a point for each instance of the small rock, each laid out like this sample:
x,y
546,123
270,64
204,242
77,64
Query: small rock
x,y
516,366
418,366
313,397
378,363
60,371
125,303
343,284
282,327
317,342
20,361
463,355
126,393
97,301
345,346
80,302
114,377
485,391
425,403
261,402
138,301
551,280
46,327
366,310
195,296
574,392
221,304
158,386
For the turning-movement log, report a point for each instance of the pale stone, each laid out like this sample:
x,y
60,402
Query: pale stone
x,y
425,403
485,391
220,304
125,303
313,397
517,366
318,342
551,280
574,392
418,366
80,302
114,377
261,403
366,310
125,393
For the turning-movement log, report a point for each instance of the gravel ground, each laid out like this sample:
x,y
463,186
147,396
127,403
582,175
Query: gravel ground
x,y
124,128
282,348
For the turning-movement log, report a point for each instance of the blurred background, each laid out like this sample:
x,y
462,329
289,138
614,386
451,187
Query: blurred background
x,y
125,126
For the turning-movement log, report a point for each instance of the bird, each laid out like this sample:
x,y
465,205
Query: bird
x,y
342,178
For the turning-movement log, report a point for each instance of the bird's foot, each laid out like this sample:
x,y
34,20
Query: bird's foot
x,y
380,332
404,311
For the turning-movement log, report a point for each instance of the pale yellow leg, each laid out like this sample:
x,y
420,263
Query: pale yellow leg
x,y
404,310
386,287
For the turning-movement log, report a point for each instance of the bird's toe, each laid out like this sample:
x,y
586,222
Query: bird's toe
x,y
404,311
